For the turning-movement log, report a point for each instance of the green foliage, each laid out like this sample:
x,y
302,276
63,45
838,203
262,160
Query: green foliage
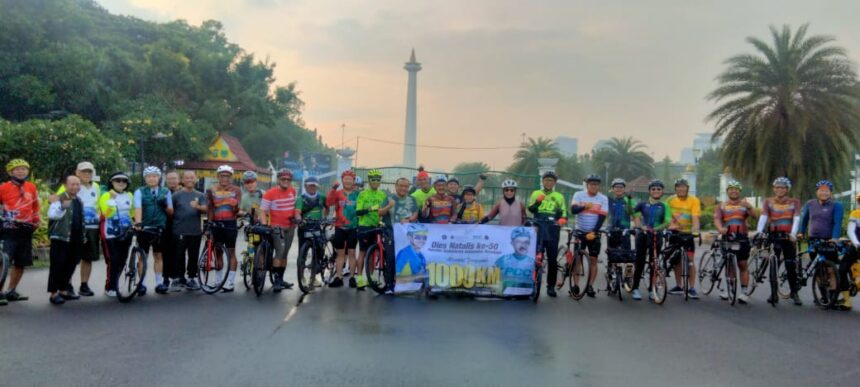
x,y
789,109
53,148
625,157
708,171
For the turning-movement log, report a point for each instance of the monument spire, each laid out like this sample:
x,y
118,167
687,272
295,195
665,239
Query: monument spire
x,y
411,132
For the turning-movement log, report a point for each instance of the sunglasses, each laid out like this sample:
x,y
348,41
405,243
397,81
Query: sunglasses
x,y
285,179
375,180
510,190
656,189
120,181
420,237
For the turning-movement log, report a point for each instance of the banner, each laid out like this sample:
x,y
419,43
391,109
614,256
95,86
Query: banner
x,y
483,260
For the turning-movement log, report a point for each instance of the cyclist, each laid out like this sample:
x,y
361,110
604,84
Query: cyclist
x,y
117,210
821,220
651,215
368,206
686,210
312,206
190,205
590,208
471,211
345,237
19,203
423,190
440,208
89,195
547,206
510,209
730,218
402,209
223,200
781,214
849,259
278,209
620,212
251,195
152,205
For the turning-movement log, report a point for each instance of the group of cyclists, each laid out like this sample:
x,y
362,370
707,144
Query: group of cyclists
x,y
83,219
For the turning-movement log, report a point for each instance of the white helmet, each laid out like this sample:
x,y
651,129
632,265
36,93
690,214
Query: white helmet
x,y
224,168
617,181
509,183
151,170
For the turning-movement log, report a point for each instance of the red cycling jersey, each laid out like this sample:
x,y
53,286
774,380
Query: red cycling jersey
x,y
19,203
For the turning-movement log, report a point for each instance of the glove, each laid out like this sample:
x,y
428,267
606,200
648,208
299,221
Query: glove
x,y
374,208
482,176
541,197
562,222
484,220
590,236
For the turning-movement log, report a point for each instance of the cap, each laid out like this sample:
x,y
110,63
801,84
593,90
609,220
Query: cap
x,y
86,166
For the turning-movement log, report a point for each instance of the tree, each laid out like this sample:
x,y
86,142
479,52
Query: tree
x,y
526,158
790,109
708,170
572,168
625,157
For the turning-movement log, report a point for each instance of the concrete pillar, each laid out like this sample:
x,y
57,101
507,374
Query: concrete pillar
x,y
690,175
411,133
725,178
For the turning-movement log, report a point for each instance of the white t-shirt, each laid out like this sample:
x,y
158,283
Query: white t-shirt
x,y
587,219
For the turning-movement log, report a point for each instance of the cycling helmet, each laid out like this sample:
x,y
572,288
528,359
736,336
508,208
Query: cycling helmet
x,y
617,181
348,172
509,183
15,163
119,176
549,174
283,172
734,184
782,181
520,232
151,170
468,188
440,179
249,176
655,183
224,168
823,183
374,174
592,178
682,181
416,228
453,180
312,180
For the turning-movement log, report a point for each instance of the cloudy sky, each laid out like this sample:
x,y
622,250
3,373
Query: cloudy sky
x,y
494,69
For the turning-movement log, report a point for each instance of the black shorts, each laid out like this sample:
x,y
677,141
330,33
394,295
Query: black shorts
x,y
18,245
592,246
345,238
149,239
225,232
743,253
365,239
90,249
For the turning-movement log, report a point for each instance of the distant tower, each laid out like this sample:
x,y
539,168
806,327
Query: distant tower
x,y
409,149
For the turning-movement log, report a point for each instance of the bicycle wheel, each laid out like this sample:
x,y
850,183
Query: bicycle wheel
x,y
706,272
627,282
247,267
305,267
537,278
757,267
773,279
564,258
732,278
212,268
4,265
579,269
131,276
821,284
258,277
685,273
374,268
659,287
619,276
329,258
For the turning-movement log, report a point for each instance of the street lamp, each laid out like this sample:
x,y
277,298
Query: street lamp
x,y
606,170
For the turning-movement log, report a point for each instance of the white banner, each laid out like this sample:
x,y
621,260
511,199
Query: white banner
x,y
482,260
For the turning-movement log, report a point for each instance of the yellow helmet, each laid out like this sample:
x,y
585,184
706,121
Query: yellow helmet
x,y
15,163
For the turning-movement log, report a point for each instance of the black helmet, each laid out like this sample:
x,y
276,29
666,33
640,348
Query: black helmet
x,y
655,183
592,178
549,174
468,188
682,181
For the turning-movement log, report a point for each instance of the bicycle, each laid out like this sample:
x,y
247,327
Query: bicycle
x,y
316,255
821,270
130,281
213,261
673,253
5,261
657,286
540,263
764,261
718,264
375,265
618,278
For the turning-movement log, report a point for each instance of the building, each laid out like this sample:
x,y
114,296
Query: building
x,y
568,146
600,144
701,142
225,150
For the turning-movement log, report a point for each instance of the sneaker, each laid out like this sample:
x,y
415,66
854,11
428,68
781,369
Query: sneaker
x,y
390,290
550,291
142,291
743,298
70,295
352,282
13,296
796,298
346,272
361,282
111,293
278,285
85,290
317,281
57,299
724,295
575,290
694,294
228,289
636,295
676,290
3,301
161,289
336,283
175,286
287,285
192,284
589,291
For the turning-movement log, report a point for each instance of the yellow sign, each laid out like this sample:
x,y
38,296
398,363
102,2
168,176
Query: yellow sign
x,y
219,150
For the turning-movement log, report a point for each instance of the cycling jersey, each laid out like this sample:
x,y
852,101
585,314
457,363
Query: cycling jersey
x,y
404,208
781,213
281,205
442,209
824,220
410,263
422,196
90,197
471,213
251,200
655,214
312,206
370,200
733,215
223,202
344,205
19,202
116,214
620,211
516,274
590,219
553,205
153,215
683,211
510,212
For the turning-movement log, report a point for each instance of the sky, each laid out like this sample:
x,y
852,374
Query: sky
x,y
495,69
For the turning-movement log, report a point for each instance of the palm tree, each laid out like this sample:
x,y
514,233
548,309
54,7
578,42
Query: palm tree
x,y
625,158
526,159
789,109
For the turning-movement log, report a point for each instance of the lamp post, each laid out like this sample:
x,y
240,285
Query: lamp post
x,y
606,171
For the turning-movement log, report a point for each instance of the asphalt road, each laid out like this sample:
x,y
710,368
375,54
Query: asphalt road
x,y
340,336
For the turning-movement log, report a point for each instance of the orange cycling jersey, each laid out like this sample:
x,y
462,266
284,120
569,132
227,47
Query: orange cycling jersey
x,y
19,202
